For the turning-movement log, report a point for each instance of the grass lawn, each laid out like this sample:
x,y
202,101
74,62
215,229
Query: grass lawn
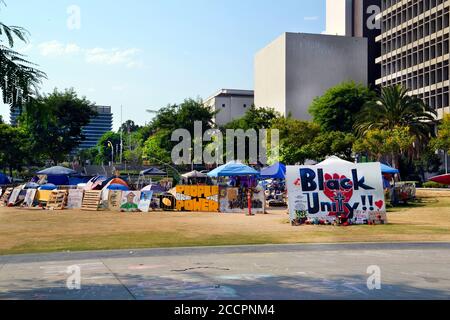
x,y
30,231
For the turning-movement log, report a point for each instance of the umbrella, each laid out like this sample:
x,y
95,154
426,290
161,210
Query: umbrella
x,y
194,174
57,171
153,172
48,187
118,187
277,171
388,170
233,169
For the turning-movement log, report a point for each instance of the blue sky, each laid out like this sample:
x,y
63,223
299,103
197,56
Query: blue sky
x,y
149,53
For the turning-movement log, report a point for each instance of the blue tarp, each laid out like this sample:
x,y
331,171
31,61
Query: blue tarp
x,y
60,180
118,187
57,171
388,170
48,187
277,171
233,169
4,179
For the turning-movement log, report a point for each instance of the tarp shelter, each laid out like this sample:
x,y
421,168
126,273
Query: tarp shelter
x,y
153,172
156,188
4,179
277,171
57,171
233,169
194,175
385,169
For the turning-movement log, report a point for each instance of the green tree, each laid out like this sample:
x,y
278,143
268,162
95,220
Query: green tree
x,y
129,127
385,143
255,118
337,108
14,151
395,108
158,147
104,147
330,143
20,78
442,140
54,123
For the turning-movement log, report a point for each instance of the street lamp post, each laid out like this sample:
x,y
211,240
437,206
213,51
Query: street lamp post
x,y
110,144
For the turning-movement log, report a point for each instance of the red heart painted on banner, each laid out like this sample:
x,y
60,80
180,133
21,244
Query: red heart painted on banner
x,y
379,204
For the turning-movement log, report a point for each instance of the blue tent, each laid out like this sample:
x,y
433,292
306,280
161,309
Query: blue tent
x,y
277,171
58,180
233,169
4,179
57,171
118,187
385,169
48,187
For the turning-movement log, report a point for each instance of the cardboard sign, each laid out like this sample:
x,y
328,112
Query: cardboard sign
x,y
145,201
197,198
234,200
354,191
75,199
14,196
29,197
114,200
130,201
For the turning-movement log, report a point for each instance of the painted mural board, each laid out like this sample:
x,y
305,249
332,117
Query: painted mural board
x,y
234,200
114,200
130,201
14,196
75,199
197,198
145,201
354,191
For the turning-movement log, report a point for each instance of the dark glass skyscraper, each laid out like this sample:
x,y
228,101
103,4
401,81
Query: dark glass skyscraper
x,y
99,125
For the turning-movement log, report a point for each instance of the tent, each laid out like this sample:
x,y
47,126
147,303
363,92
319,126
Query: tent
x,y
4,179
115,181
153,172
385,169
58,180
117,187
442,179
156,188
31,185
194,174
95,183
233,169
277,171
57,171
333,160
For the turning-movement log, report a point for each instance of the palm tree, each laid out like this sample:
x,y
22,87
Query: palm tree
x,y
20,78
395,108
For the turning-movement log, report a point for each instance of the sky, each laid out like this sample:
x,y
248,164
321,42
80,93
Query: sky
x,y
146,54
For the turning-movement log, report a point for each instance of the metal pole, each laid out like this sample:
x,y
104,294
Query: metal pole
x,y
121,133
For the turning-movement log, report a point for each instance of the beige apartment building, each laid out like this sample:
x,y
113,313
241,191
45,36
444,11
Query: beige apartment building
x,y
415,49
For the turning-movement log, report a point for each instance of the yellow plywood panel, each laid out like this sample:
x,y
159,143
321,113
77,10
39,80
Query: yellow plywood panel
x,y
43,195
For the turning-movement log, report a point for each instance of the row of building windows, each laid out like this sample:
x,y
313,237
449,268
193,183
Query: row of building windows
x,y
418,30
405,12
422,53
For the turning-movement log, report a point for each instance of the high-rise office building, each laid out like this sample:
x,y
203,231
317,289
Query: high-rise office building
x,y
357,18
415,49
230,104
98,126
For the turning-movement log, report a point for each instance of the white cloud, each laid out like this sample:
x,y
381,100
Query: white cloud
x,y
125,57
55,49
313,18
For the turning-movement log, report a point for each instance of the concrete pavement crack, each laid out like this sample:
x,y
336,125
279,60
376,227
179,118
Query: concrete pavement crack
x,y
200,268
118,280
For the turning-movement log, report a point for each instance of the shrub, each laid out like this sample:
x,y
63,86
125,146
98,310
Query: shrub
x,y
433,185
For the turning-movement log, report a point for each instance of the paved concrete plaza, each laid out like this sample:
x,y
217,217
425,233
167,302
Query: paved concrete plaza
x,y
408,271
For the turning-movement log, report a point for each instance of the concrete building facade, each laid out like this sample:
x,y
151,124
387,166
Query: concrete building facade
x,y
357,18
296,68
230,104
415,49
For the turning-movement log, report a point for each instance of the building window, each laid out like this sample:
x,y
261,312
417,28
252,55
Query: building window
x,y
245,106
223,105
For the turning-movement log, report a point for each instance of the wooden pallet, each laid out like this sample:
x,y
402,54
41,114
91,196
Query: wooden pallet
x,y
5,197
92,201
57,200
